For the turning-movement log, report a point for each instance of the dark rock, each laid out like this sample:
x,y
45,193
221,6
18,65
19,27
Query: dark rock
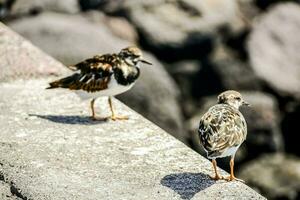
x,y
25,7
181,29
276,176
289,128
91,4
274,46
223,71
5,6
262,118
265,4
231,72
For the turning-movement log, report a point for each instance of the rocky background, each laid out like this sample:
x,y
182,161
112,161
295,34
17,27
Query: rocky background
x,y
199,49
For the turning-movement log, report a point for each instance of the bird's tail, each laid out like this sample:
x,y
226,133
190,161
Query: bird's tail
x,y
64,82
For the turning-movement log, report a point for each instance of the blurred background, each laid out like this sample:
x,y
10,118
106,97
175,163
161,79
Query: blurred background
x,y
199,48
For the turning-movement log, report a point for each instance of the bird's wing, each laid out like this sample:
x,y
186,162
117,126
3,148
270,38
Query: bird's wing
x,y
93,75
222,127
98,61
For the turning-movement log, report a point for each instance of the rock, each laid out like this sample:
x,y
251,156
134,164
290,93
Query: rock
x,y
5,6
265,4
220,72
156,96
273,48
91,4
289,128
82,39
24,7
249,9
232,72
277,176
119,26
182,28
20,59
185,73
262,118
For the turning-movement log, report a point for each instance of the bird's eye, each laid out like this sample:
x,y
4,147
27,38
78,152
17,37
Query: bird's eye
x,y
238,98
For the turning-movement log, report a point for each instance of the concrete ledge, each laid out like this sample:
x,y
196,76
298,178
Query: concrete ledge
x,y
50,149
20,59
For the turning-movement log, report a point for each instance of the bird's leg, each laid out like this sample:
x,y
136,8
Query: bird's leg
x,y
113,115
93,113
232,177
217,175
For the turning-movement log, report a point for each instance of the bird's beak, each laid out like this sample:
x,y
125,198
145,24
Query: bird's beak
x,y
146,62
245,103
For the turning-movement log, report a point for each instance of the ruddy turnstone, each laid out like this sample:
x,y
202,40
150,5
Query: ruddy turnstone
x,y
223,129
104,75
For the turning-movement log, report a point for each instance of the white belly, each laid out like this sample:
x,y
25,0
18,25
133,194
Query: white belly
x,y
113,89
230,151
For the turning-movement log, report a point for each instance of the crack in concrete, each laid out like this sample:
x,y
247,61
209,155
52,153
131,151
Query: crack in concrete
x,y
13,189
17,192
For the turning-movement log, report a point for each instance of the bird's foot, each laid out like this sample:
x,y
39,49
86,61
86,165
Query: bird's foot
x,y
114,117
216,177
233,178
99,118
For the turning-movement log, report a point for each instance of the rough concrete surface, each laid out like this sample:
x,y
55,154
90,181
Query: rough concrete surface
x,y
20,59
50,149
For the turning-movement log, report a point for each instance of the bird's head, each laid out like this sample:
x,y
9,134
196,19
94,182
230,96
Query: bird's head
x,y
232,98
132,56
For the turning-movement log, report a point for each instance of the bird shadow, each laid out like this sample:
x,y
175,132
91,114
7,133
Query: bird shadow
x,y
69,119
187,184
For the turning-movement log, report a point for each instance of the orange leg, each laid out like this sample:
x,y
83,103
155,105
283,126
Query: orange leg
x,y
217,175
232,177
113,115
93,113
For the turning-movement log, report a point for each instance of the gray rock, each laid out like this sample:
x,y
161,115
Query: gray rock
x,y
119,26
68,38
188,27
277,176
274,46
263,121
231,72
24,7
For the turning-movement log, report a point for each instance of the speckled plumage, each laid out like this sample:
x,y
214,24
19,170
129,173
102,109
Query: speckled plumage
x,y
222,129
